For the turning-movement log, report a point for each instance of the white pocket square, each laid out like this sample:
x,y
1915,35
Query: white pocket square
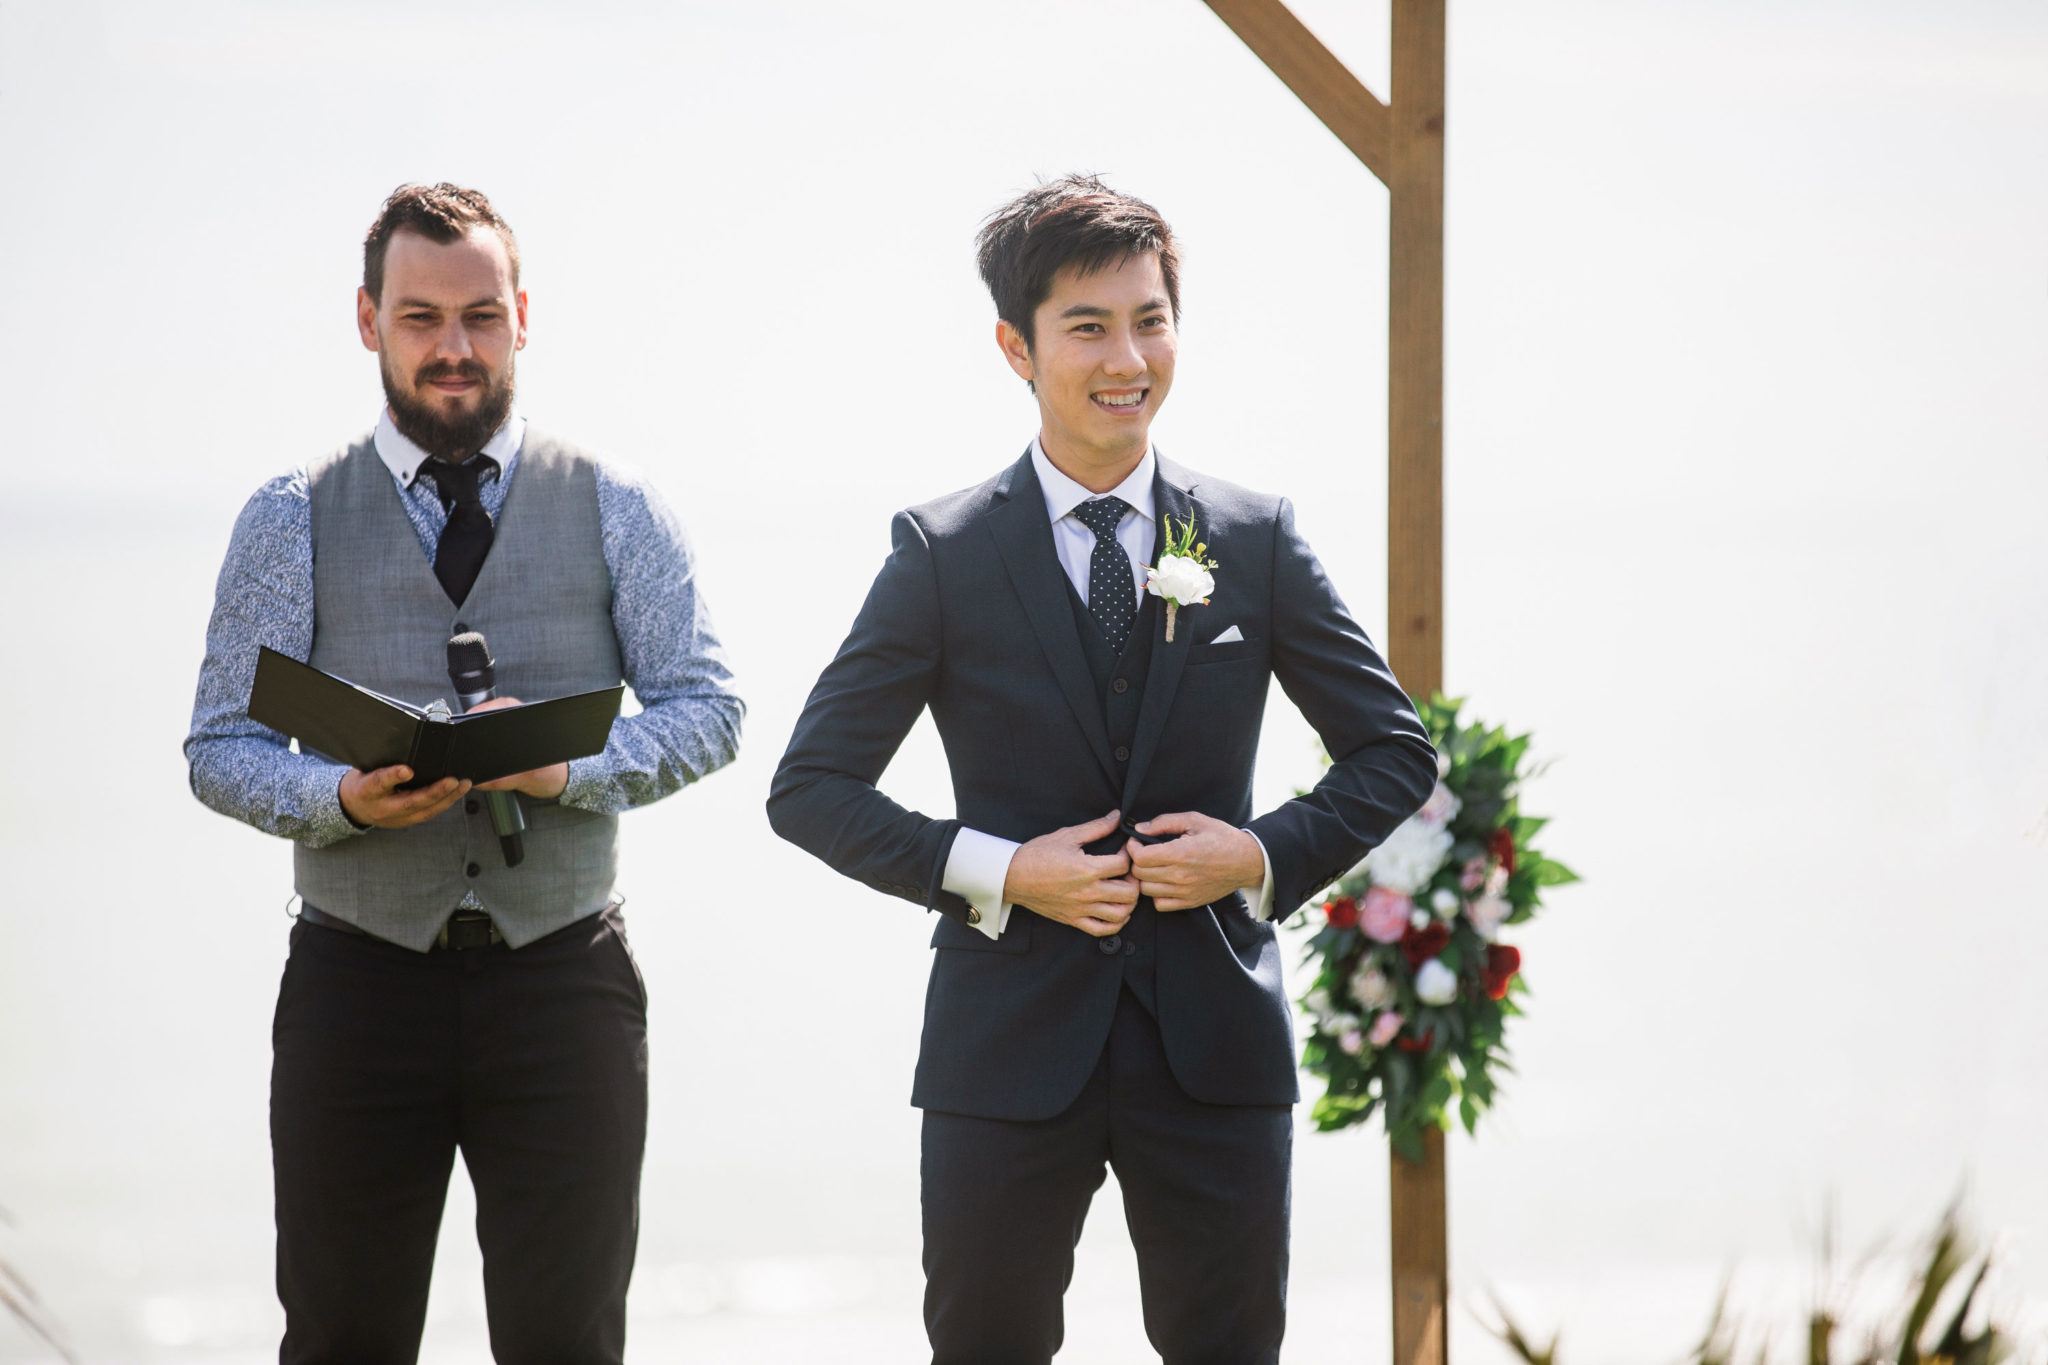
x,y
1227,636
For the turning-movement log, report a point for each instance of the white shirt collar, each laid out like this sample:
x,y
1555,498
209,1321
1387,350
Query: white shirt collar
x,y
1063,495
403,458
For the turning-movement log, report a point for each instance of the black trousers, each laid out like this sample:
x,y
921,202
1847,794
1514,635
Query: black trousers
x,y
1205,1193
386,1062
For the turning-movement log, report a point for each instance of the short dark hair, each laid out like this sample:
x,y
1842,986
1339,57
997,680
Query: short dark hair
x,y
1075,221
441,213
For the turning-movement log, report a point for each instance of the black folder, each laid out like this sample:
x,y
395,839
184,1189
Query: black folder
x,y
369,730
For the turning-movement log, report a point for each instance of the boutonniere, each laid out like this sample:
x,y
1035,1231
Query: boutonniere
x,y
1182,574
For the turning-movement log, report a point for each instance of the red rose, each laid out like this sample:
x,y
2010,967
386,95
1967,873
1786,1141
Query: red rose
x,y
1502,847
1342,912
1408,1044
1420,945
1502,962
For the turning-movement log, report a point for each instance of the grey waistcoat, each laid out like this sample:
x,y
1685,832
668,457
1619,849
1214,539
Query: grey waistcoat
x,y
380,618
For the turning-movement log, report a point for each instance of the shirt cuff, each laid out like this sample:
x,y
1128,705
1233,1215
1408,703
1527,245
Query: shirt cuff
x,y
328,822
976,869
589,787
1259,899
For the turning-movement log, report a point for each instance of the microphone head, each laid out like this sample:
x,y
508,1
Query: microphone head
x,y
470,666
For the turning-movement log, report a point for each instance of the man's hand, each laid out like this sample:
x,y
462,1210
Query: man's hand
x,y
374,799
1052,876
546,783
1207,862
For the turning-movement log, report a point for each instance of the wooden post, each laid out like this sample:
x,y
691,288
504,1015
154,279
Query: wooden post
x,y
1401,142
1415,568
1415,350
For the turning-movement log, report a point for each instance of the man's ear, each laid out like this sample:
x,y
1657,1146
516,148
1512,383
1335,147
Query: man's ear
x,y
519,300
366,318
1015,349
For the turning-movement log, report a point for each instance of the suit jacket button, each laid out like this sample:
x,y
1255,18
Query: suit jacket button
x,y
1123,755
473,870
1121,685
973,915
1110,946
470,805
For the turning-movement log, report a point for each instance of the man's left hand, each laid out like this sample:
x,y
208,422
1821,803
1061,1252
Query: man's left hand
x,y
1208,861
546,783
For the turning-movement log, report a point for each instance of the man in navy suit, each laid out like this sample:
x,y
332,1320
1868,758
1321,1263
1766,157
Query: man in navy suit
x,y
1106,988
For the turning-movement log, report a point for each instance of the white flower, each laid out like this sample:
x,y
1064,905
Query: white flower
x,y
1340,1023
1487,914
1435,984
1372,988
1445,902
1442,807
1496,880
1419,920
1317,1003
1179,580
1410,856
1443,764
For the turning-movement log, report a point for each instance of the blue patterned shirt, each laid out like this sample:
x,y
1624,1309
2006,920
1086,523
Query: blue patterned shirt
x,y
688,726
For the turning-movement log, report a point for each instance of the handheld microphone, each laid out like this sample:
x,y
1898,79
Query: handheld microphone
x,y
474,675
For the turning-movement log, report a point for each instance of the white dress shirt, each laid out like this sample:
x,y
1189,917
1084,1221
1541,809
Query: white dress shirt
x,y
979,864
403,457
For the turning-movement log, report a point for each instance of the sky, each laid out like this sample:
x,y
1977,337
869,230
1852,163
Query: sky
x,y
1744,450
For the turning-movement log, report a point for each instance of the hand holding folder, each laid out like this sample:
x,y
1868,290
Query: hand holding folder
x,y
367,730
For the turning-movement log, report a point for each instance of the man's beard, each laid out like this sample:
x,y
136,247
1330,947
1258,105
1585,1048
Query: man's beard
x,y
456,439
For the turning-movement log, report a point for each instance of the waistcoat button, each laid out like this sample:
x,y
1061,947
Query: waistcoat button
x,y
469,806
1110,946
1120,685
473,869
1123,755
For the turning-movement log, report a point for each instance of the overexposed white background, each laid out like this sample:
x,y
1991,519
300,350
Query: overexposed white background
x,y
1744,435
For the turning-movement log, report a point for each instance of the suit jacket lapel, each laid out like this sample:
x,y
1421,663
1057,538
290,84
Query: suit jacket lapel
x,y
1023,537
1172,489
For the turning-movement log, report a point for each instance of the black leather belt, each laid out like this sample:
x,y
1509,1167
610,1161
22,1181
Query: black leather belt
x,y
464,929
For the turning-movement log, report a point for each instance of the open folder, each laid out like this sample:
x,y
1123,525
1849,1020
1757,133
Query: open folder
x,y
369,730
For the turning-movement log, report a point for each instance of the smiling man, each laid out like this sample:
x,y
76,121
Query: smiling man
x,y
1106,986
438,999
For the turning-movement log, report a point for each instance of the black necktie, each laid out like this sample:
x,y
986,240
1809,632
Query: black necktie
x,y
1112,598
466,539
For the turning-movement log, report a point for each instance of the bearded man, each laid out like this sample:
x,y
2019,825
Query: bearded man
x,y
437,999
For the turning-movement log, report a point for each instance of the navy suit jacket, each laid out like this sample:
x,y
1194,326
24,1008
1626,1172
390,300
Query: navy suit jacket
x,y
970,617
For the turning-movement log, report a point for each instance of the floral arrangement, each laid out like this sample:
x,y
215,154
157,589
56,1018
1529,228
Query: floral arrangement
x,y
1414,987
1182,576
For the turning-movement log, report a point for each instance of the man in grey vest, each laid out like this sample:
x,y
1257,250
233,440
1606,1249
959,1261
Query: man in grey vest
x,y
435,998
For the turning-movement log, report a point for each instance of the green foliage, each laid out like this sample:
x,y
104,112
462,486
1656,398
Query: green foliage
x,y
1936,1324
1442,1064
24,1307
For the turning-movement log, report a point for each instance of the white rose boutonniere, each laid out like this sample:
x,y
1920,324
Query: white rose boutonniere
x,y
1182,574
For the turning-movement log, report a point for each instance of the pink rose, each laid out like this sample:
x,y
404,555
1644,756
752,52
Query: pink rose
x,y
1474,875
1384,914
1385,1028
1442,806
1487,914
1352,1041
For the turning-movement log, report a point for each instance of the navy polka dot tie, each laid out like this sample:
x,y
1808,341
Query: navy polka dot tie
x,y
1112,596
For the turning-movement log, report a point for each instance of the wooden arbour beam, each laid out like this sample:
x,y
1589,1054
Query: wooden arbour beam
x,y
1314,74
1402,143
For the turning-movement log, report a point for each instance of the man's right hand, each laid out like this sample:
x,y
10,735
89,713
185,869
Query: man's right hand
x,y
1054,877
374,799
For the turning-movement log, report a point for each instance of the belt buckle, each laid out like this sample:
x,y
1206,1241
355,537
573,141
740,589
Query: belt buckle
x,y
466,929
